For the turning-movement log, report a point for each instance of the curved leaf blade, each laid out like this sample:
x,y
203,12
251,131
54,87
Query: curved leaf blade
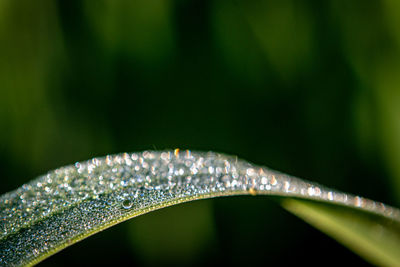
x,y
73,202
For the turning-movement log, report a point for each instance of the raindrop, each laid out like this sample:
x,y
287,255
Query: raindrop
x,y
127,204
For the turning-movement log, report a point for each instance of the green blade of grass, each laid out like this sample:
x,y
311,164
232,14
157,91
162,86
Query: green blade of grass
x,y
69,204
376,239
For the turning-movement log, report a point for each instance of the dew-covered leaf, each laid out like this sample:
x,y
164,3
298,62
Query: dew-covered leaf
x,y
73,202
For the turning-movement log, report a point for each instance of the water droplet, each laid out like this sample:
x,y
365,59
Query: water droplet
x,y
310,191
317,191
273,180
358,201
176,152
250,172
252,191
127,204
264,180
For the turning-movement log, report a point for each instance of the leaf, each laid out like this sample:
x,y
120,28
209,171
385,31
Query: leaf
x,y
71,203
375,238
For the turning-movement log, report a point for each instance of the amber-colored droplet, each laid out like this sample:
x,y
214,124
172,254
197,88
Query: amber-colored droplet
x,y
176,152
252,191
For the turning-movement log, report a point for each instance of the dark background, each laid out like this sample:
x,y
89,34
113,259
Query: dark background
x,y
309,88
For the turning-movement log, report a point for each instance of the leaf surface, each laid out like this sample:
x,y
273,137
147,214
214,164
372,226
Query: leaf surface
x,y
71,203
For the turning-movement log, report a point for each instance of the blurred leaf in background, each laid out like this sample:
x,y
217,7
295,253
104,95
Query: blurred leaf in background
x,y
141,30
372,49
31,46
310,88
284,30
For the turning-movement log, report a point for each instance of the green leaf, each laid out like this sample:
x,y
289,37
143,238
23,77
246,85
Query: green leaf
x,y
69,204
375,238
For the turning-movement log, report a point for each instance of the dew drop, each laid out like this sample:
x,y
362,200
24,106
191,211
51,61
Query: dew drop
x,y
252,191
273,180
127,204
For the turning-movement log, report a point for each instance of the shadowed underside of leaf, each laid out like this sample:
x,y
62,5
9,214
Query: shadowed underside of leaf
x,y
74,202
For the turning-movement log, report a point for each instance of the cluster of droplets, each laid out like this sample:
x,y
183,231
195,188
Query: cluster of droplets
x,y
174,171
78,198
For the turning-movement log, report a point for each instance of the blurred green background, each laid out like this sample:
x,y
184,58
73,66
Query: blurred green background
x,y
310,88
